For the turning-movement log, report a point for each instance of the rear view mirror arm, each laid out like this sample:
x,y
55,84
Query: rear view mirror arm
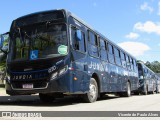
x,y
5,52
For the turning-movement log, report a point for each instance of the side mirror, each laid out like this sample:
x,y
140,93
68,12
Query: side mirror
x,y
1,41
4,39
78,35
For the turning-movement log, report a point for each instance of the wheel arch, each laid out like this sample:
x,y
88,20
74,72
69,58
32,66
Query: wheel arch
x,y
96,77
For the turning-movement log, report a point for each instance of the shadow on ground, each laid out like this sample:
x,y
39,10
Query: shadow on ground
x,y
33,100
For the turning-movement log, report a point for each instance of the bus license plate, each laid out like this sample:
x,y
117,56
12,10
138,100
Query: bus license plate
x,y
27,86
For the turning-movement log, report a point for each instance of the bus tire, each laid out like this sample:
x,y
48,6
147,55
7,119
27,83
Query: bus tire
x,y
152,92
46,98
128,91
157,91
146,90
92,94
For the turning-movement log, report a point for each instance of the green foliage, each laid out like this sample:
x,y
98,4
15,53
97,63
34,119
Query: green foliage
x,y
154,66
2,62
2,66
2,55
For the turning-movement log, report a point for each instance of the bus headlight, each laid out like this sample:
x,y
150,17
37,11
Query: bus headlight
x,y
54,75
59,72
63,70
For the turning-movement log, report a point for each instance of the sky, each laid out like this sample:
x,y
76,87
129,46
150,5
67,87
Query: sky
x,y
132,24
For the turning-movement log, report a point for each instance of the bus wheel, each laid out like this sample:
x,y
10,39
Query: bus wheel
x,y
92,95
145,90
152,92
157,91
128,92
46,98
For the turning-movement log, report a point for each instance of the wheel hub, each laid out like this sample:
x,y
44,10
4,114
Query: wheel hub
x,y
92,91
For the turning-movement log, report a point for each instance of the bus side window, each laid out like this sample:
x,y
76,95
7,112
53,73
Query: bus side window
x,y
110,53
117,56
78,40
93,44
131,63
93,39
103,50
128,62
135,65
129,67
123,59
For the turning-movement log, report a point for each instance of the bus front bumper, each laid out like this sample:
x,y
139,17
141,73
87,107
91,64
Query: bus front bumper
x,y
35,87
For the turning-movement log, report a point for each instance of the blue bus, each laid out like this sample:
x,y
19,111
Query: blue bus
x,y
148,80
157,83
54,53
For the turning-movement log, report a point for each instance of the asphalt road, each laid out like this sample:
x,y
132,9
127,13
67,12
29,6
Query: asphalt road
x,y
108,103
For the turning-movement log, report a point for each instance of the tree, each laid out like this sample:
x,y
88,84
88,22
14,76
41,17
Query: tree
x,y
3,57
154,66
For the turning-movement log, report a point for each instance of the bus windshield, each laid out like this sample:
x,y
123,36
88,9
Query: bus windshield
x,y
38,41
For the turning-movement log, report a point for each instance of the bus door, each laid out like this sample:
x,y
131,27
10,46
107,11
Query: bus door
x,y
78,58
